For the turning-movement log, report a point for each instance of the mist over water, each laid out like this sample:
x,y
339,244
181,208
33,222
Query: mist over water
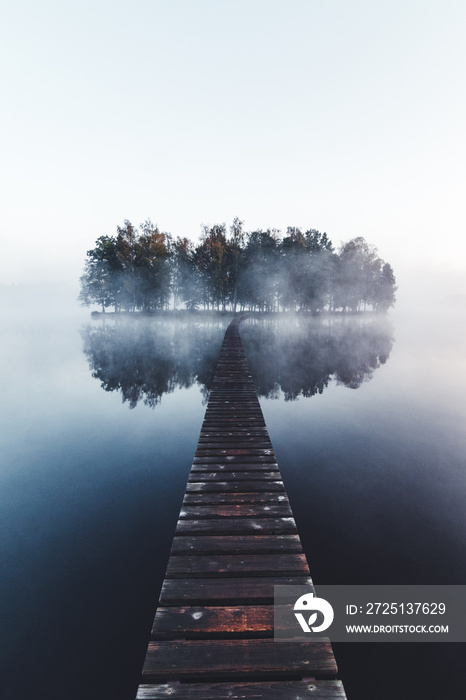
x,y
367,420
144,357
293,356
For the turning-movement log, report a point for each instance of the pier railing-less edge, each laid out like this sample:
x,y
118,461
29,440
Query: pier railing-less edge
x,y
236,538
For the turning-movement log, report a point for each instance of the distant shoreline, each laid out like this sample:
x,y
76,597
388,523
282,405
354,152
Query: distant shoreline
x,y
201,313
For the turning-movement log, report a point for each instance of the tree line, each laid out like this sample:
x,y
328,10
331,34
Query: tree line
x,y
141,268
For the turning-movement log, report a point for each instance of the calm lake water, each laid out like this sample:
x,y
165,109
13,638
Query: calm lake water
x,y
100,421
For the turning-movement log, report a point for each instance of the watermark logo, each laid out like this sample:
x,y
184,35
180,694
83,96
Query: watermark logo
x,y
366,613
308,603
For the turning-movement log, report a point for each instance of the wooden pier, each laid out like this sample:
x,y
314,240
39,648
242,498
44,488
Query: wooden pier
x,y
236,538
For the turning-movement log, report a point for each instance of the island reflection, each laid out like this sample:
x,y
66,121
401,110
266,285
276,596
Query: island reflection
x,y
145,358
300,356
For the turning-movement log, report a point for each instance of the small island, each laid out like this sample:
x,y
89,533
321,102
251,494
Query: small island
x,y
142,269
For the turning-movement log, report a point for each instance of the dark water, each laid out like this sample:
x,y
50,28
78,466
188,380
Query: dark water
x,y
367,421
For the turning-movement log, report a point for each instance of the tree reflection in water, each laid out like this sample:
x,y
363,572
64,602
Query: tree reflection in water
x,y
299,356
145,357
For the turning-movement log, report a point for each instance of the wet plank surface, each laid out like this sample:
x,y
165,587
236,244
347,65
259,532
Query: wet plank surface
x,y
235,498
284,690
212,621
238,658
253,590
240,526
255,510
233,565
234,486
246,544
236,538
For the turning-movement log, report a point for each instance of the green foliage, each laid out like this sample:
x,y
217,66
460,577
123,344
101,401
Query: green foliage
x,y
144,269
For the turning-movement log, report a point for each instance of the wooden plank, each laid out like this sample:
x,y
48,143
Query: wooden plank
x,y
271,690
240,591
227,466
235,476
234,451
240,405
246,436
235,459
234,498
225,400
236,659
228,441
229,413
224,457
224,424
233,391
240,526
234,486
224,464
205,544
245,433
235,511
230,403
221,621
233,413
235,565
238,443
233,416
232,424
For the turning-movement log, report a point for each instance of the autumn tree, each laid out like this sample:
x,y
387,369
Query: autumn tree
x,y
210,259
151,269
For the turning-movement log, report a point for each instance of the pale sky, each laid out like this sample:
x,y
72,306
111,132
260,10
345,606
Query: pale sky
x,y
345,116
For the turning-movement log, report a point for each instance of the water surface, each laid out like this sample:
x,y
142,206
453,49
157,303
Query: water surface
x,y
100,421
